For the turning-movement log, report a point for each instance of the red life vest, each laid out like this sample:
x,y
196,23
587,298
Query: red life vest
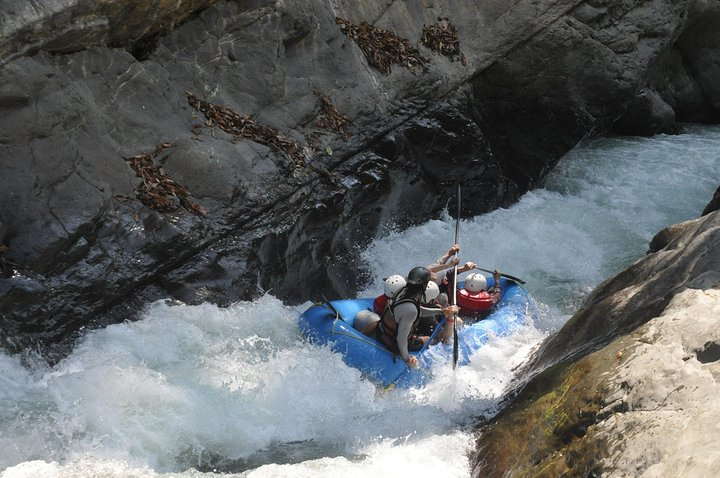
x,y
380,303
474,301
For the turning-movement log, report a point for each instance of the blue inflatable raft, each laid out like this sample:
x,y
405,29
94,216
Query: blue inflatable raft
x,y
332,323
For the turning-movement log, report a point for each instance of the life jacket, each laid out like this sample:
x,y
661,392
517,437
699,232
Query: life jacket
x,y
474,301
387,329
380,303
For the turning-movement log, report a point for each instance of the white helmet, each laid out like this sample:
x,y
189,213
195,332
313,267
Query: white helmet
x,y
475,282
432,291
393,284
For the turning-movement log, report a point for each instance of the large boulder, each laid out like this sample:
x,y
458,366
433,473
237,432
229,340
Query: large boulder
x,y
629,385
267,148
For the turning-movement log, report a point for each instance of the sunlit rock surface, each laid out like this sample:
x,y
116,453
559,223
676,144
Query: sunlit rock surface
x,y
635,391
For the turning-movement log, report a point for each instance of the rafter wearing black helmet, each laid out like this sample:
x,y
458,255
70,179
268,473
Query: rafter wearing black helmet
x,y
399,322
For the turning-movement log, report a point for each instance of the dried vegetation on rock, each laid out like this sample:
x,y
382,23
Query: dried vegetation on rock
x,y
383,48
244,127
157,190
330,118
442,38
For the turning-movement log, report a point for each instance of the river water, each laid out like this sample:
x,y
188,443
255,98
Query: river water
x,y
194,391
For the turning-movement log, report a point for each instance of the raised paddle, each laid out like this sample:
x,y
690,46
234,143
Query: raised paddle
x,y
457,239
507,276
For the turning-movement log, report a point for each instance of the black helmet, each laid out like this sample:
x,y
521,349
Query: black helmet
x,y
418,276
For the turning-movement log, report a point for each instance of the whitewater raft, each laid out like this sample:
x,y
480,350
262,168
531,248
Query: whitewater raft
x,y
332,324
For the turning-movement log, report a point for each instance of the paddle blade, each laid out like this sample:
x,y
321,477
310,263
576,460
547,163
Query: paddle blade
x,y
455,347
507,276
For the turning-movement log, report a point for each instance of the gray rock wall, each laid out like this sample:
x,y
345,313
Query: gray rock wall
x,y
64,26
85,86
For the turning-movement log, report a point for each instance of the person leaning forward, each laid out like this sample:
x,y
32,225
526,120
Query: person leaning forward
x,y
400,320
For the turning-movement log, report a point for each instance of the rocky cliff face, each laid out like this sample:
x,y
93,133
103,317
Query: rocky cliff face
x,y
210,150
629,386
66,26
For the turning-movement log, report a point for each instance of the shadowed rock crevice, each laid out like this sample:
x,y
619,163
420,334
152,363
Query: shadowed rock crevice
x,y
142,49
709,353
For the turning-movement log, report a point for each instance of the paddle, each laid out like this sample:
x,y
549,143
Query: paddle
x,y
457,238
331,307
507,276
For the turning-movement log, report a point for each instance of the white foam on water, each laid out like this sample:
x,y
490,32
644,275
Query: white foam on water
x,y
237,389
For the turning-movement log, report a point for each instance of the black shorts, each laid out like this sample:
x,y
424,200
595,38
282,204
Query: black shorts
x,y
427,325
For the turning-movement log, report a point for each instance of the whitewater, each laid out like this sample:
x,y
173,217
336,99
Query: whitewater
x,y
191,391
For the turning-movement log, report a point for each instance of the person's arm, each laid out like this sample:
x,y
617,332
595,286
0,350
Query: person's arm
x,y
496,291
405,316
427,311
454,249
441,263
468,266
441,266
405,323
446,333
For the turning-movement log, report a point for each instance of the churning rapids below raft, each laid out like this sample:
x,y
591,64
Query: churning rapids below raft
x,y
193,390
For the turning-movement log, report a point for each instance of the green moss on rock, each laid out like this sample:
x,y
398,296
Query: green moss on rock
x,y
548,431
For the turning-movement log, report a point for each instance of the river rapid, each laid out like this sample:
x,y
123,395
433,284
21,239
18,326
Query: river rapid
x,y
191,391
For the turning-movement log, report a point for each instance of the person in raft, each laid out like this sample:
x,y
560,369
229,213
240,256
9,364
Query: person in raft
x,y
367,320
475,299
392,286
445,281
427,325
441,263
398,325
396,282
